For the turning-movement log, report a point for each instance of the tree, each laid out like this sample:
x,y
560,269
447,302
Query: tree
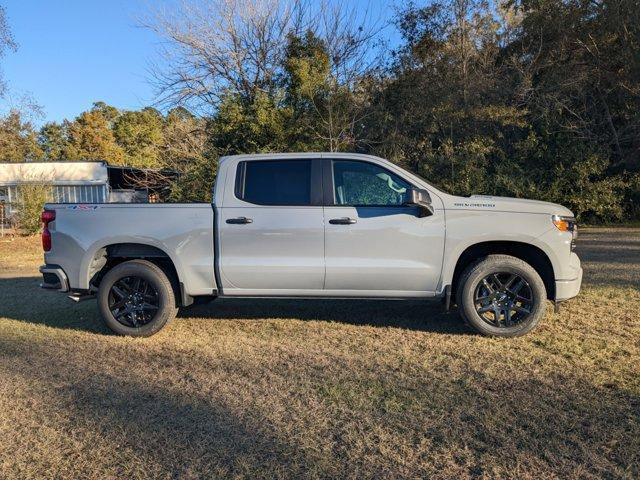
x,y
222,46
241,127
445,112
237,52
186,149
324,111
139,134
53,140
504,101
18,139
6,43
580,66
109,112
184,139
91,138
31,200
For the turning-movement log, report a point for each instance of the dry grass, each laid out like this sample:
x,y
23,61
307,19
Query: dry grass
x,y
322,389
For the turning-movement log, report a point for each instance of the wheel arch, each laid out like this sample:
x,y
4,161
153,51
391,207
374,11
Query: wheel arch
x,y
108,256
533,255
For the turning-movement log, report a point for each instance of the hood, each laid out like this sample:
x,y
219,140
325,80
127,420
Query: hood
x,y
505,204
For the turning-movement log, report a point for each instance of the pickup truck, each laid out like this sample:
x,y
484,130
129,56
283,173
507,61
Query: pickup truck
x,y
309,225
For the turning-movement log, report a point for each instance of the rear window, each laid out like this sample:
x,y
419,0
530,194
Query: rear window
x,y
274,182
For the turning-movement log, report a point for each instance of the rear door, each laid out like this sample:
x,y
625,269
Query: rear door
x,y
375,244
272,228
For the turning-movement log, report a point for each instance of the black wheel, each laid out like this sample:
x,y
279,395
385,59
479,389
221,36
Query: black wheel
x,y
501,296
136,298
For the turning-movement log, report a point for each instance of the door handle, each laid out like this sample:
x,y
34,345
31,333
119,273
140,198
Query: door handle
x,y
239,221
342,221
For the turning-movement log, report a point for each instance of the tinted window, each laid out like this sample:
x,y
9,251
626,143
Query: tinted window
x,y
280,182
362,183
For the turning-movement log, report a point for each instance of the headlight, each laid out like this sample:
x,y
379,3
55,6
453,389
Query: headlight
x,y
566,224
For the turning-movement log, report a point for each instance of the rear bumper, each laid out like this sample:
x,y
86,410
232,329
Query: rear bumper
x,y
566,289
54,278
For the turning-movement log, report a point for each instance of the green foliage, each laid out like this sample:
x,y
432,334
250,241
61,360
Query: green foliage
x,y
53,141
139,133
560,169
250,127
31,199
632,195
307,67
195,183
18,140
90,137
323,111
187,149
538,99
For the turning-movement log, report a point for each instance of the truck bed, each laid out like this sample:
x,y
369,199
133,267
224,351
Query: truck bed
x,y
184,232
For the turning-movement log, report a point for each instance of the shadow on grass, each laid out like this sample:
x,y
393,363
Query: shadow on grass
x,y
22,299
474,424
150,431
425,315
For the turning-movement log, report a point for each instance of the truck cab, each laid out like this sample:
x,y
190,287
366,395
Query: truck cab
x,y
342,225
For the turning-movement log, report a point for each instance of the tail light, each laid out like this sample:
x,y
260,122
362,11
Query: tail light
x,y
47,217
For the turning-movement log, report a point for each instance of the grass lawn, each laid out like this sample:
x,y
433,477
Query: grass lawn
x,y
355,389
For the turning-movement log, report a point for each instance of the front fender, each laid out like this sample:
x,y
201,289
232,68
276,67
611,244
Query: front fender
x,y
468,228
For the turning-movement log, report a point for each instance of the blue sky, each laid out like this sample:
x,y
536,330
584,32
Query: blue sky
x,y
72,53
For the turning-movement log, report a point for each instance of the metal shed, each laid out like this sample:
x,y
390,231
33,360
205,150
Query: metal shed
x,y
71,182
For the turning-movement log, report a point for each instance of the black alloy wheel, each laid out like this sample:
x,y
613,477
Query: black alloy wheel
x,y
133,301
503,299
501,296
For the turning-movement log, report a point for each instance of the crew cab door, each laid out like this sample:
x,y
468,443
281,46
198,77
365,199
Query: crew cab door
x,y
375,244
271,228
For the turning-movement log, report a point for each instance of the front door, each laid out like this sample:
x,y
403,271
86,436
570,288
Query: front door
x,y
272,229
375,244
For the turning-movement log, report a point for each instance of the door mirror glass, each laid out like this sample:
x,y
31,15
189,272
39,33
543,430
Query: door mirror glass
x,y
422,199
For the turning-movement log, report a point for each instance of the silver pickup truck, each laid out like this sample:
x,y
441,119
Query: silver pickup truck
x,y
315,225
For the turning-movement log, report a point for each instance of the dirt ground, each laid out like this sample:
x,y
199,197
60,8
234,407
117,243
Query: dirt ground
x,y
339,389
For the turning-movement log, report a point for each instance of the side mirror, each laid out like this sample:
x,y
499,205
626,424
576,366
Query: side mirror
x,y
421,199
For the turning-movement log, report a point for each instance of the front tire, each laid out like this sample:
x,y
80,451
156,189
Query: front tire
x,y
136,298
501,296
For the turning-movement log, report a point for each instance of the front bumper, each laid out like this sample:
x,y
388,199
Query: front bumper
x,y
566,289
54,278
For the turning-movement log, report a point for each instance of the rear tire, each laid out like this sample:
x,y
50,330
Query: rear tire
x,y
136,298
501,296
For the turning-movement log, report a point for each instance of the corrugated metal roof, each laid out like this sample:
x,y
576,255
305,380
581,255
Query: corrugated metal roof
x,y
56,173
